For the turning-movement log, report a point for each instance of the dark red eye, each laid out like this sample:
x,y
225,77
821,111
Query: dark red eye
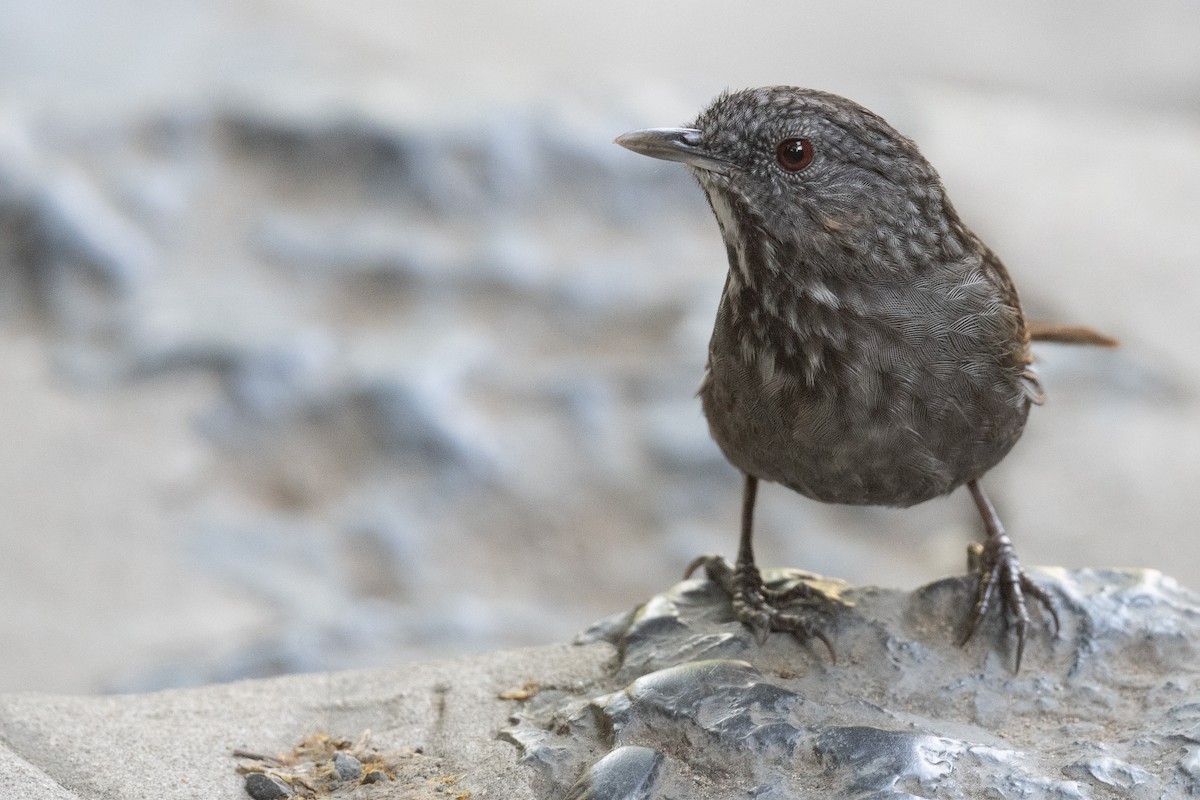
x,y
794,154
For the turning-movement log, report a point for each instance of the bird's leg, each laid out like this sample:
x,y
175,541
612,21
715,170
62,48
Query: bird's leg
x,y
1000,572
754,604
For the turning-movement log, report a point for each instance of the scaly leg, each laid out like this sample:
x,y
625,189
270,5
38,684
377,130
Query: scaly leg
x,y
755,605
1000,571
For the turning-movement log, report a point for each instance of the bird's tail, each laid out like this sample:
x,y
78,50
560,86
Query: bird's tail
x,y
1067,334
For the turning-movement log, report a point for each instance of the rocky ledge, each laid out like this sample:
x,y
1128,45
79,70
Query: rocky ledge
x,y
676,700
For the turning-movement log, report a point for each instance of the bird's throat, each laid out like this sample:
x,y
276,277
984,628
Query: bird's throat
x,y
781,312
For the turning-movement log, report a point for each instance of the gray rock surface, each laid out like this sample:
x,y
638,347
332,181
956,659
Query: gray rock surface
x,y
1107,709
675,700
181,743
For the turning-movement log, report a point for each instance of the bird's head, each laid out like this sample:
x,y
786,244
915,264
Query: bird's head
x,y
810,171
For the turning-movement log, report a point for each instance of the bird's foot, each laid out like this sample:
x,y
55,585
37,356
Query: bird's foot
x,y
999,571
759,607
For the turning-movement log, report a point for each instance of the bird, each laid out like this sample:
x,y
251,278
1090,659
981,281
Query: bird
x,y
868,348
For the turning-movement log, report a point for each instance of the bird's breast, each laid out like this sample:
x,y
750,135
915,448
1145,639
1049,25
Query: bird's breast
x,y
859,407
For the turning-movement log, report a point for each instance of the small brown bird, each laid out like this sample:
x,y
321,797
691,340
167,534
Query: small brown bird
x,y
868,349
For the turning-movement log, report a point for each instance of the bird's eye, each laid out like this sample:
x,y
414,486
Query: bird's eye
x,y
794,154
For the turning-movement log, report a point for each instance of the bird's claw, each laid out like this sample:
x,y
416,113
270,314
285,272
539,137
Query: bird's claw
x,y
999,571
716,569
757,606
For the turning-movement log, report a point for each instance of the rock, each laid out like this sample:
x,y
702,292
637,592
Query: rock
x,y
266,787
347,767
179,744
627,773
1106,709
82,227
81,255
677,700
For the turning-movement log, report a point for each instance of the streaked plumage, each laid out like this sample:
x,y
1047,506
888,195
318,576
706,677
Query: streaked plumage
x,y
868,347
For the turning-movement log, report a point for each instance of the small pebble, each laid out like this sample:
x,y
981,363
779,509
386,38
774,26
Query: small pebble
x,y
374,776
265,787
347,767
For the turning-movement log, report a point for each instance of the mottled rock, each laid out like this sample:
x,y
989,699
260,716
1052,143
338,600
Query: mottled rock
x,y
1105,709
347,767
676,700
627,773
266,787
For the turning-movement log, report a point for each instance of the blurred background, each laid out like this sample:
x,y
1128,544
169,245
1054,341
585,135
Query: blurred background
x,y
340,334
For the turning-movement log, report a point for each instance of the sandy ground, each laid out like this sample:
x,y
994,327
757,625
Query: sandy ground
x,y
250,453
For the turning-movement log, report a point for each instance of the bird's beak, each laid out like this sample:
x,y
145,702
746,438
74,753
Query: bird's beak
x,y
674,144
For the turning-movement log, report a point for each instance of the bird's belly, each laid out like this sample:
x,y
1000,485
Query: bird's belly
x,y
897,449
